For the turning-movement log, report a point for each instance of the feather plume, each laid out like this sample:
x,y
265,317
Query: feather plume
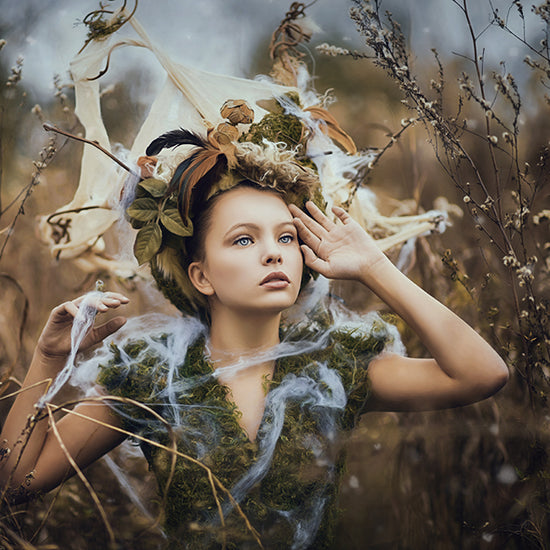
x,y
173,139
332,129
196,174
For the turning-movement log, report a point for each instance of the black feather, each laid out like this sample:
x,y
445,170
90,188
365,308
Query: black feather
x,y
173,139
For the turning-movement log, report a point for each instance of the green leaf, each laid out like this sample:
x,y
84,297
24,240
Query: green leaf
x,y
137,224
156,188
171,219
143,210
148,241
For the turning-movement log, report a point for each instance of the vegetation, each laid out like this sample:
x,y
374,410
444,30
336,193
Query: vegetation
x,y
448,128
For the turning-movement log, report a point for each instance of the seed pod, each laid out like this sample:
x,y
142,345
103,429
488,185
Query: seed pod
x,y
225,133
237,111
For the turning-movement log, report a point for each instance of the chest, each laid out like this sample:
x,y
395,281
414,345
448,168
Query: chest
x,y
247,391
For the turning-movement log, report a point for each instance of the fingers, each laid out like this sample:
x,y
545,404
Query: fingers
x,y
313,261
106,329
71,308
313,225
342,215
306,235
102,302
113,300
319,216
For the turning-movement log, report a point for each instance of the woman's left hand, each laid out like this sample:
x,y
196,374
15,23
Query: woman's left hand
x,y
335,250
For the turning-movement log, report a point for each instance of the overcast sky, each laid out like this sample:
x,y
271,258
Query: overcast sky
x,y
221,35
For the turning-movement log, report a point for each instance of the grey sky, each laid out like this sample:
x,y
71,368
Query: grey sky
x,y
221,35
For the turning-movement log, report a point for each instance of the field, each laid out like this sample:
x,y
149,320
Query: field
x,y
445,128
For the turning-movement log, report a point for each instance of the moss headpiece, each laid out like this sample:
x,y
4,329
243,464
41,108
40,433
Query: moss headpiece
x,y
176,187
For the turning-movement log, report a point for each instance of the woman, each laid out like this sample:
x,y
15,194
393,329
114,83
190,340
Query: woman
x,y
248,414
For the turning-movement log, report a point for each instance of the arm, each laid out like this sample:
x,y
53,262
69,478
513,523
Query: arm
x,y
464,368
33,459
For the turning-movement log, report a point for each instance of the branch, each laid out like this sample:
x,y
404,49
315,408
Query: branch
x,y
50,128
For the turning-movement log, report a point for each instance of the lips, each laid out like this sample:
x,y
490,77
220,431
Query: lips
x,y
277,279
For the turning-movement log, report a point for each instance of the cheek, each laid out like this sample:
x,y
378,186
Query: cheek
x,y
227,266
298,257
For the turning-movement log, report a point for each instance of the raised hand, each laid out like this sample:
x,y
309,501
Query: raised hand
x,y
55,340
335,250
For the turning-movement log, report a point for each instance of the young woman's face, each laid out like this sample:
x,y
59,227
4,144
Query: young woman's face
x,y
252,259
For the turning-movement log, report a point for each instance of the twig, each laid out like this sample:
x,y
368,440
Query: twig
x,y
14,281
50,128
173,450
46,155
79,473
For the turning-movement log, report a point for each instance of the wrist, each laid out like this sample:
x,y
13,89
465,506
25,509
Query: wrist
x,y
376,270
47,358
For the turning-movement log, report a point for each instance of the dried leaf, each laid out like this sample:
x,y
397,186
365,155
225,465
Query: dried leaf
x,y
171,219
332,129
143,210
148,241
156,188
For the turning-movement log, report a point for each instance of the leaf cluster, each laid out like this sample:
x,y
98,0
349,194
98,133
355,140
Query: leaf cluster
x,y
157,218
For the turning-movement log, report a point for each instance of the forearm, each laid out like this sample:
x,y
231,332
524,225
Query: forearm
x,y
452,343
22,435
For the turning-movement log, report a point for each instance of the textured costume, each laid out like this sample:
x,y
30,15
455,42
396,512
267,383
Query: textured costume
x,y
286,480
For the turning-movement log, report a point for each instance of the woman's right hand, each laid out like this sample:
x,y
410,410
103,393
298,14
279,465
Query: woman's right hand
x,y
55,340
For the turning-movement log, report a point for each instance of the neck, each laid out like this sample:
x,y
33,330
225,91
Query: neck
x,y
233,333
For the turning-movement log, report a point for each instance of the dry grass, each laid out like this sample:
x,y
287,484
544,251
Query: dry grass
x,y
475,477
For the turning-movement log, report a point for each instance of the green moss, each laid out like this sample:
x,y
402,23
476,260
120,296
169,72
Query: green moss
x,y
208,416
276,127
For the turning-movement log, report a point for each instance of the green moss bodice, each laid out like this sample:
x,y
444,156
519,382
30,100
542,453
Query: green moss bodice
x,y
285,481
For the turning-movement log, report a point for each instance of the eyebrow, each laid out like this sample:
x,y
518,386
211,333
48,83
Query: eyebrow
x,y
253,226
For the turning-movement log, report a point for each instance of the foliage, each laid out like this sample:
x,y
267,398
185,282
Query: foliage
x,y
481,132
502,198
470,478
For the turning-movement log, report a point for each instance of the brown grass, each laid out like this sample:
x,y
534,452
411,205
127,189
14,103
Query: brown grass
x,y
475,477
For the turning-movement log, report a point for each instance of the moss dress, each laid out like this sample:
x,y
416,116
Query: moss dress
x,y
283,485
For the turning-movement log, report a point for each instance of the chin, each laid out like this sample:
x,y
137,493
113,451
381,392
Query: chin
x,y
271,307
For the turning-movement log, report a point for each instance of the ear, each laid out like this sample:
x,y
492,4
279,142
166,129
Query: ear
x,y
198,278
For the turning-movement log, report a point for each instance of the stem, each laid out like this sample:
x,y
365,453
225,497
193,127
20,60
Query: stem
x,y
50,128
482,91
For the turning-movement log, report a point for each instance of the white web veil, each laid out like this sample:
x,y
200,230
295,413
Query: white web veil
x,y
191,98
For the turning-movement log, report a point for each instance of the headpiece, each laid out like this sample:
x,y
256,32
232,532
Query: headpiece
x,y
274,133
269,154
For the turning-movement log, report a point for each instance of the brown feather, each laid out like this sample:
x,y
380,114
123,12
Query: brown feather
x,y
202,164
332,129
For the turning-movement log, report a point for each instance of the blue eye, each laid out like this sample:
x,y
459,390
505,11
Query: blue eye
x,y
243,241
286,239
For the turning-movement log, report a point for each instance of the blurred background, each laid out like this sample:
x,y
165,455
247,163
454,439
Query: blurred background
x,y
474,477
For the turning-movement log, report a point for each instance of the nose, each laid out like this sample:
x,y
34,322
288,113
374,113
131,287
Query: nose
x,y
272,254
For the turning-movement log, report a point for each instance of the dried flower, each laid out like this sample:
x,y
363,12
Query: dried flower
x,y
237,111
332,51
510,260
